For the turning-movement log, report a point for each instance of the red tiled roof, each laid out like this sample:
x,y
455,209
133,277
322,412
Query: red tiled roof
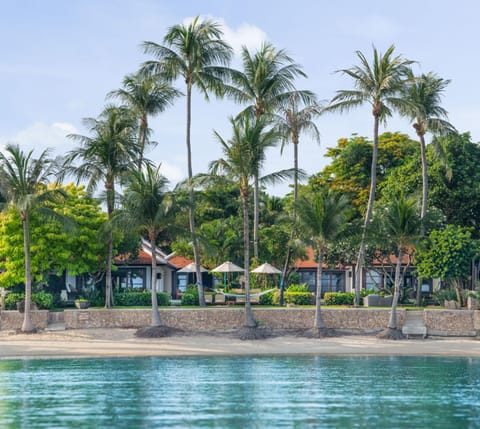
x,y
179,261
143,258
307,263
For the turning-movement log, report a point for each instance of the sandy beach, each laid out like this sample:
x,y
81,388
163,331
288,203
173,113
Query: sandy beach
x,y
122,342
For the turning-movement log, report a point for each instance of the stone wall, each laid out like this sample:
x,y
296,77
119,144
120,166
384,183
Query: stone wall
x,y
11,319
458,323
231,318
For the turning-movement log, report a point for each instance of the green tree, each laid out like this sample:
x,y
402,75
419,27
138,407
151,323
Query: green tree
x,y
447,256
321,218
266,84
241,163
197,54
23,181
398,224
379,84
148,210
52,246
146,96
107,156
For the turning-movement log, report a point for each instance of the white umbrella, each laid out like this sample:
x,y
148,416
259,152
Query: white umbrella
x,y
228,267
191,268
266,268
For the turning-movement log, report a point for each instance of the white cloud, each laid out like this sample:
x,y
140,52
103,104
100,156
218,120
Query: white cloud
x,y
40,136
245,34
172,172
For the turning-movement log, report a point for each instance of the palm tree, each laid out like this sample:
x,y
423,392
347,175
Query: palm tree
x,y
321,218
292,122
23,181
106,157
241,163
147,209
266,84
146,96
197,54
425,111
399,224
381,85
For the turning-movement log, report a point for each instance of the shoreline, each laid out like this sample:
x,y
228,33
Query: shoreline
x,y
100,342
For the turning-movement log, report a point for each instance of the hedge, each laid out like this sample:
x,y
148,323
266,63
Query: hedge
x,y
339,298
43,300
297,298
140,298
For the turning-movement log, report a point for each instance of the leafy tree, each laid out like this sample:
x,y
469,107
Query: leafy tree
x,y
240,163
447,256
147,209
23,181
146,96
266,84
107,156
321,218
196,53
349,170
52,246
398,224
380,85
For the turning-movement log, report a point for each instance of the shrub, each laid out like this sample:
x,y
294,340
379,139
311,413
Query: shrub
x,y
190,298
268,298
297,298
140,298
339,298
442,295
298,288
43,300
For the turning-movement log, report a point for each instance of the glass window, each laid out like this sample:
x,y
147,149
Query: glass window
x,y
373,280
131,278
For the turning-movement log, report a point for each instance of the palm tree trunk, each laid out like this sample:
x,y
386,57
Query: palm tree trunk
x,y
27,325
319,323
423,211
368,214
142,138
256,215
392,324
249,319
294,221
156,321
191,198
108,273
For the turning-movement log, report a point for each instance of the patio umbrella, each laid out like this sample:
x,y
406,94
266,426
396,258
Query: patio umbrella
x,y
191,268
227,267
266,268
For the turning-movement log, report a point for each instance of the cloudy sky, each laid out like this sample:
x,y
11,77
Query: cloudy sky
x,y
58,60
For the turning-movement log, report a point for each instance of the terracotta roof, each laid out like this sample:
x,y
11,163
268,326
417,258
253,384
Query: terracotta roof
x,y
179,261
143,258
307,263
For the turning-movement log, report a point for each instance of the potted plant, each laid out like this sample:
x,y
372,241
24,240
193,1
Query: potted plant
x,y
82,303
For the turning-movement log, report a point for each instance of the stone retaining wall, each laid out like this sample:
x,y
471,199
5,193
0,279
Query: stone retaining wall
x,y
457,323
231,318
11,319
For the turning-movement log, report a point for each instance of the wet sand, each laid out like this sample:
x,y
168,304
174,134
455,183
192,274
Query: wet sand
x,y
122,342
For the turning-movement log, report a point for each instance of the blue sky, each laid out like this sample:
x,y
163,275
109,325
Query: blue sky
x,y
58,60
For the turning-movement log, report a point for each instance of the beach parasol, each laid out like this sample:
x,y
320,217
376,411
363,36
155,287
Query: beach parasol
x,y
227,267
191,268
266,268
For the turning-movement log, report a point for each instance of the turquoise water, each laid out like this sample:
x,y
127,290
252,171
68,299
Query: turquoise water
x,y
241,392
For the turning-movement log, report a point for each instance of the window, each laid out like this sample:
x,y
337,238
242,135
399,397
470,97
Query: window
x,y
131,278
333,281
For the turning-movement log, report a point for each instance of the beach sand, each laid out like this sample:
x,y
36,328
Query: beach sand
x,y
122,342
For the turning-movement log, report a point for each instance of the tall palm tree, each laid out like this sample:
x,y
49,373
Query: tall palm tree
x,y
147,209
321,218
266,84
399,224
425,111
292,121
379,84
146,96
241,163
106,157
23,181
197,54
